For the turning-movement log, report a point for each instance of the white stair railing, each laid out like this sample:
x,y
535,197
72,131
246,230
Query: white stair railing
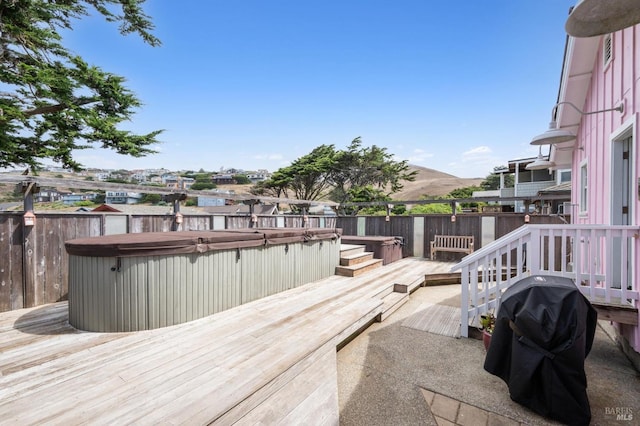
x,y
600,259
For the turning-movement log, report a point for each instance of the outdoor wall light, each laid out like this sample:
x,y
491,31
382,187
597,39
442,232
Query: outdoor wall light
x,y
540,163
29,218
453,218
179,218
597,17
554,135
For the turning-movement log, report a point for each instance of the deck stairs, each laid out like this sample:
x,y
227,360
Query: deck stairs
x,y
354,260
393,291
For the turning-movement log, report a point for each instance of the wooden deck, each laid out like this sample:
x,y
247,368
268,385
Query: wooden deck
x,y
244,365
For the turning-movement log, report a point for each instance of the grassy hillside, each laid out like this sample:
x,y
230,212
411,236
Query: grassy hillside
x,y
428,182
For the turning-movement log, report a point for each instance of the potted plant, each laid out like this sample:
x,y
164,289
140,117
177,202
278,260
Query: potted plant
x,y
487,324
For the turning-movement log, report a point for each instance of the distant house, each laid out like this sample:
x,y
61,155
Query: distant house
x,y
529,185
139,176
121,197
259,176
223,179
178,182
211,201
73,198
47,196
101,176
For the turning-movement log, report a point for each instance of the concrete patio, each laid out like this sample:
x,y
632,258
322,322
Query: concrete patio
x,y
395,375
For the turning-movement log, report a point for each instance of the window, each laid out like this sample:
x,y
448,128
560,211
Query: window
x,y
565,176
583,188
607,50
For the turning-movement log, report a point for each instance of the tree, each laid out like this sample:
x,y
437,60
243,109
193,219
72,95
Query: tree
x,y
431,209
309,177
363,194
492,181
359,167
52,102
241,179
276,186
362,173
201,186
466,192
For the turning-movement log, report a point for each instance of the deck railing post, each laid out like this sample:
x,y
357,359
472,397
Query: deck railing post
x,y
464,302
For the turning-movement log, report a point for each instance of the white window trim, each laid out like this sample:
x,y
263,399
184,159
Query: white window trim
x,y
627,129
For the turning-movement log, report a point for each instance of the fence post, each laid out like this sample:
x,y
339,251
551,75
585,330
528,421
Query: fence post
x,y
418,236
29,246
361,226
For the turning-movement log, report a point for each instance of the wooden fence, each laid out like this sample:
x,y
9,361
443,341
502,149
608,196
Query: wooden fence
x,y
34,263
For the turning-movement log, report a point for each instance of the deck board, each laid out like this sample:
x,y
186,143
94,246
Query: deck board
x,y
219,367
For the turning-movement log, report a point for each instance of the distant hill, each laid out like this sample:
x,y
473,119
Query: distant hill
x,y
432,182
428,182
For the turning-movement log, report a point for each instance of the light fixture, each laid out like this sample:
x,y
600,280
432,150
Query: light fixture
x,y
554,135
540,163
597,17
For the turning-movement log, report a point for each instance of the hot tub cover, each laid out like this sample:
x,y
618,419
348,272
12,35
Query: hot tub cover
x,y
544,331
162,243
291,235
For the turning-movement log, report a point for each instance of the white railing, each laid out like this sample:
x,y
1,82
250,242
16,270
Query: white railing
x,y
599,258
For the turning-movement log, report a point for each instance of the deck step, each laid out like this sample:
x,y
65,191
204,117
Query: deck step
x,y
360,268
350,249
616,312
416,283
354,259
391,303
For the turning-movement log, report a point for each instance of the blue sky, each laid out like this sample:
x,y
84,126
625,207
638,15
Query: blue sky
x,y
459,87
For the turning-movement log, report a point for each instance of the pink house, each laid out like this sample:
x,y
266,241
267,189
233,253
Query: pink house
x,y
599,73
594,132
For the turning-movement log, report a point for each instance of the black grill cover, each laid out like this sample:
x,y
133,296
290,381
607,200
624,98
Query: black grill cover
x,y
544,331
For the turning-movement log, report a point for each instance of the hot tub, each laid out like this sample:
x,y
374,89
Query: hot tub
x,y
389,249
143,281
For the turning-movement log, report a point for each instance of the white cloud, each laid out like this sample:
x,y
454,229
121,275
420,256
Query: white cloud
x,y
475,162
476,152
419,156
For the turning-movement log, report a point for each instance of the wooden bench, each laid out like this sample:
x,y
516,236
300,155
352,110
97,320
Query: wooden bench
x,y
451,243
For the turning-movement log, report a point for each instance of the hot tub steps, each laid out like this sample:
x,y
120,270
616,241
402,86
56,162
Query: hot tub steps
x,y
356,258
358,268
351,249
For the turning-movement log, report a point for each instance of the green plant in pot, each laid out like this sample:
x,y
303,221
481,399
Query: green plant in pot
x,y
487,324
